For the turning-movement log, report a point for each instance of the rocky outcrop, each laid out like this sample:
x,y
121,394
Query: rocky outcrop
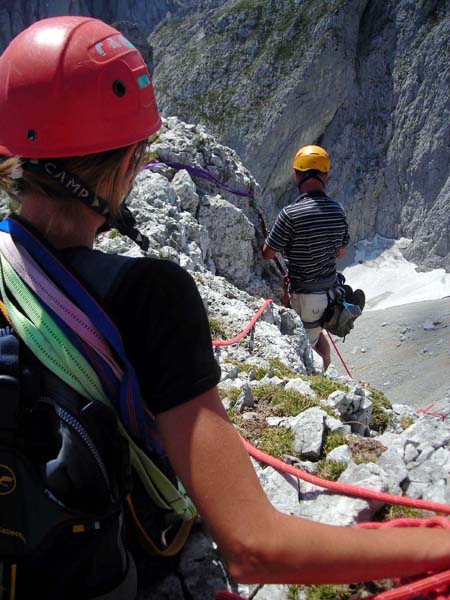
x,y
368,80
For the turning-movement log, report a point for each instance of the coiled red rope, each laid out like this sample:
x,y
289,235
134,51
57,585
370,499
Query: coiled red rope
x,y
435,586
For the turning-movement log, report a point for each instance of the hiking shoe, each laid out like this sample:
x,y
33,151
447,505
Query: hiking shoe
x,y
348,293
359,298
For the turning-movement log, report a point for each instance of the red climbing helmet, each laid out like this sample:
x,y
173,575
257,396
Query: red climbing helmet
x,y
71,86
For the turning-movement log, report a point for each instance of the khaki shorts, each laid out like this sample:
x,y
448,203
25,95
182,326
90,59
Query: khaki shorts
x,y
310,307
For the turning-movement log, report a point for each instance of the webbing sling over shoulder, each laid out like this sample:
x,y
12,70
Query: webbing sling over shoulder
x,y
134,419
88,264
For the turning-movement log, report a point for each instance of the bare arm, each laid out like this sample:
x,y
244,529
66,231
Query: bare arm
x,y
263,545
267,252
340,252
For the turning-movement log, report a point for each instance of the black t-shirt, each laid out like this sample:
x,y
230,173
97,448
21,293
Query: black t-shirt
x,y
160,314
156,306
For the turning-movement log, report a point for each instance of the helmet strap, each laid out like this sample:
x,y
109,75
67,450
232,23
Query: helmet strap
x,y
71,183
312,174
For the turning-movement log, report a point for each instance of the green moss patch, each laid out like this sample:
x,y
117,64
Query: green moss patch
x,y
258,372
279,369
231,394
330,469
380,419
340,592
276,441
324,386
218,329
285,403
387,513
333,440
406,422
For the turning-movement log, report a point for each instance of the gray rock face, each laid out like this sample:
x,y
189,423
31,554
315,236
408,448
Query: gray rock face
x,y
15,16
229,238
353,407
308,428
368,80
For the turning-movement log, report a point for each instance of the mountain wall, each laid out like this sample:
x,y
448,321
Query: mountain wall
x,y
15,16
367,79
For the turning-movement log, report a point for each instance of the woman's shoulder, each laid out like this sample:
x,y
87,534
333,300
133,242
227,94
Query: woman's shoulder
x,y
105,273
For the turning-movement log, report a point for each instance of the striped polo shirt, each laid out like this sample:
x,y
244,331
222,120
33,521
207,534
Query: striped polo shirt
x,y
309,232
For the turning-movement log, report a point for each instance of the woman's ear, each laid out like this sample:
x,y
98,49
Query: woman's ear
x,y
127,166
127,170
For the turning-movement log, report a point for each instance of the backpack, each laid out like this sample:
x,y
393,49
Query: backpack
x,y
67,483
64,473
341,313
342,319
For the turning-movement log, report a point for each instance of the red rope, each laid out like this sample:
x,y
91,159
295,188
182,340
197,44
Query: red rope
x,y
343,488
339,354
434,587
427,409
436,582
246,329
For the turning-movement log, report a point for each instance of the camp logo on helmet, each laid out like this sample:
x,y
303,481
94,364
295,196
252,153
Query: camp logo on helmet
x,y
111,43
111,47
7,480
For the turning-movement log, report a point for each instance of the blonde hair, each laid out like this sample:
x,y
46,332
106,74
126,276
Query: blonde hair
x,y
97,171
9,167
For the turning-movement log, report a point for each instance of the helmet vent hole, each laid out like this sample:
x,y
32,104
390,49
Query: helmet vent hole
x,y
119,88
31,135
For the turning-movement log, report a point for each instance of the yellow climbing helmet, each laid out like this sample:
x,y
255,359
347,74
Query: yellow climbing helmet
x,y
312,158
